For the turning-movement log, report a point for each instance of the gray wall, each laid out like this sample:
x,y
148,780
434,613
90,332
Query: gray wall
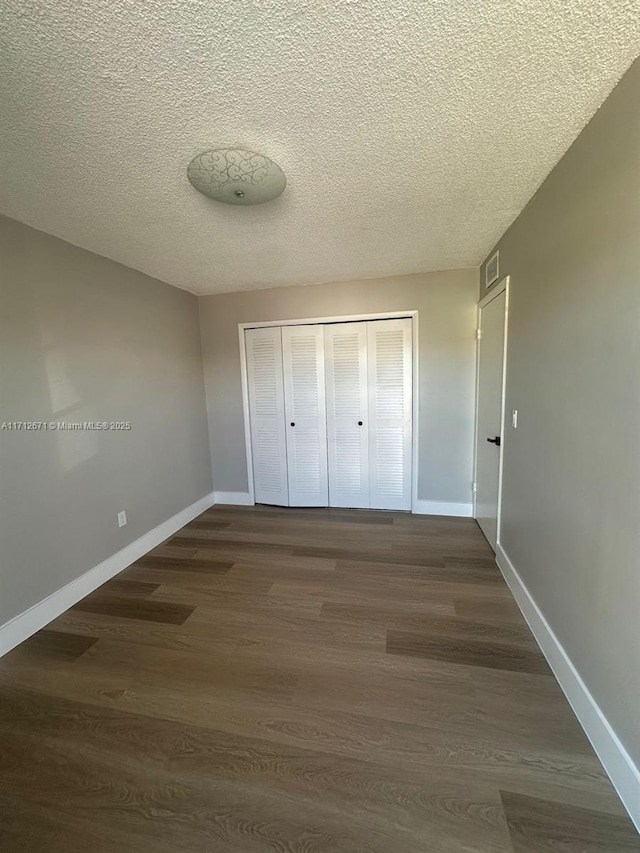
x,y
571,514
83,338
446,302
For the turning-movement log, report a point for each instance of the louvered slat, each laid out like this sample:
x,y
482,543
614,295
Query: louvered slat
x,y
346,368
266,411
304,385
390,389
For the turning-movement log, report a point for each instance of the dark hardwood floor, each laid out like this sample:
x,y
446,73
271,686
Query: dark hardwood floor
x,y
298,681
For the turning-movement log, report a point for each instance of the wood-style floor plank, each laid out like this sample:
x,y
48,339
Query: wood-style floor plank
x,y
128,587
27,826
210,543
133,608
541,826
55,645
188,563
298,681
466,651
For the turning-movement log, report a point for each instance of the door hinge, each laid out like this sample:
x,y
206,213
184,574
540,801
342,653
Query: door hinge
x,y
474,487
478,334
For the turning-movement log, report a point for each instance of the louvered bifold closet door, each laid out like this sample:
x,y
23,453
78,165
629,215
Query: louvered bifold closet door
x,y
389,349
305,415
266,412
347,414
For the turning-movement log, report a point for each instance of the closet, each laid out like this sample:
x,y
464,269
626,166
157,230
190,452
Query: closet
x,y
330,409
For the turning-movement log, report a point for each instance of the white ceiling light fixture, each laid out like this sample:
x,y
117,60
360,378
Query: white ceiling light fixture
x,y
236,176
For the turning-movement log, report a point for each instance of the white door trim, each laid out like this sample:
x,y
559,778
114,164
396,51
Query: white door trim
x,y
503,286
346,318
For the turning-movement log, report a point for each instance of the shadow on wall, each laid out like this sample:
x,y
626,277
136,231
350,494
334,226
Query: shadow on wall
x,y
74,446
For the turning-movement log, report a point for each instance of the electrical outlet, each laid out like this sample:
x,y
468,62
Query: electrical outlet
x,y
514,418
122,518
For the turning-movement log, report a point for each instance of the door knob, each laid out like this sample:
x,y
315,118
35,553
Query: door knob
x,y
359,423
292,423
495,441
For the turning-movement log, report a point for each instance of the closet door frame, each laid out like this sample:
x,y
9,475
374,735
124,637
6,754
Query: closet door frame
x,y
304,321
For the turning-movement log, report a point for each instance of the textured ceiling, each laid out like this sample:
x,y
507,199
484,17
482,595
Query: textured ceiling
x,y
411,133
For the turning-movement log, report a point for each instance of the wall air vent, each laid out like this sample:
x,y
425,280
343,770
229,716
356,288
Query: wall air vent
x,y
491,271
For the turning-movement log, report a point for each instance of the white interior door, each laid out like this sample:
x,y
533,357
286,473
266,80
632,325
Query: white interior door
x,y
490,413
305,415
347,414
389,354
266,412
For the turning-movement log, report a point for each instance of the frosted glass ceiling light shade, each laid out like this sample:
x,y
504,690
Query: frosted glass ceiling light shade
x,y
236,176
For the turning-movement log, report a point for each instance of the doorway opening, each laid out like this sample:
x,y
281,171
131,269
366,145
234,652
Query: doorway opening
x,y
493,312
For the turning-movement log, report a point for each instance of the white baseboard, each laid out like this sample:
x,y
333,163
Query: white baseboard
x,y
233,498
21,627
461,510
420,508
619,765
